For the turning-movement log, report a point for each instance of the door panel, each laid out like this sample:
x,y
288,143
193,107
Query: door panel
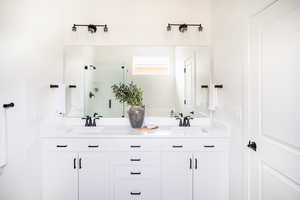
x,y
211,175
60,176
273,109
92,176
177,176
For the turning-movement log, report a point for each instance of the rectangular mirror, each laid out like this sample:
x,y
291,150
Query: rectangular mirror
x,y
173,78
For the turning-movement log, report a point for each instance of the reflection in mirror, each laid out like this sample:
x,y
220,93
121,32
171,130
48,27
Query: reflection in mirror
x,y
171,78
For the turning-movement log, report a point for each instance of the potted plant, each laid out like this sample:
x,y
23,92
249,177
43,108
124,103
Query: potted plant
x,y
132,95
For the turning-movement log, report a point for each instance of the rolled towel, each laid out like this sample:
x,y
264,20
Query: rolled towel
x,y
3,139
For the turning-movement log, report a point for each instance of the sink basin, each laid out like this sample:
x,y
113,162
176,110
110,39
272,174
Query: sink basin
x,y
87,130
193,130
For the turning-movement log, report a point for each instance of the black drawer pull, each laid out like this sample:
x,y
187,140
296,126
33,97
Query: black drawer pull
x,y
93,146
135,193
74,163
135,146
8,105
135,173
72,86
54,86
209,146
196,163
135,159
80,163
61,146
177,146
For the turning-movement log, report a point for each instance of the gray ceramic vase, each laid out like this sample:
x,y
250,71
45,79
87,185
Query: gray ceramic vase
x,y
136,116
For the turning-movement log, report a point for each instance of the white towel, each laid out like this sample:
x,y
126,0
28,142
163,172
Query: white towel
x,y
3,139
213,98
60,99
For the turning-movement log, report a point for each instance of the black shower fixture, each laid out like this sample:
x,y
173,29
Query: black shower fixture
x,y
184,27
92,28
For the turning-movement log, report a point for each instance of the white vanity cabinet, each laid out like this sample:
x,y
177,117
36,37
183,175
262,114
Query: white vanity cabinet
x,y
71,175
195,170
135,169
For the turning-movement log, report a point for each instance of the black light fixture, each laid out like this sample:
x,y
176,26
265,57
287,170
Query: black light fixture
x,y
92,28
169,27
184,27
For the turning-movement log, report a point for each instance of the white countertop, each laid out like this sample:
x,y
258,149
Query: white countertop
x,y
217,130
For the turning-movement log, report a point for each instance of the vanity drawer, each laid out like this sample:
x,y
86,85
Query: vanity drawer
x,y
214,146
133,145
137,190
177,145
135,158
60,145
136,172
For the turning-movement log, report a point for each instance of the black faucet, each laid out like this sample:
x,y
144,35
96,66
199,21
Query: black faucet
x,y
96,116
88,121
184,121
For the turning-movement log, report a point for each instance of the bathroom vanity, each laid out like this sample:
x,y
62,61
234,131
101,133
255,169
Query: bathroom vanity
x,y
119,163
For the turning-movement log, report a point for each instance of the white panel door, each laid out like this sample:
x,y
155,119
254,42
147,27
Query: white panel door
x,y
177,176
92,176
273,102
60,176
210,176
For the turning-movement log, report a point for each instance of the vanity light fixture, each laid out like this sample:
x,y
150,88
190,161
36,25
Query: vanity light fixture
x,y
92,28
184,27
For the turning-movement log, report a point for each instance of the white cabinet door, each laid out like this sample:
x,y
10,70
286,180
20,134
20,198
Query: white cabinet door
x,y
177,175
210,176
92,176
60,176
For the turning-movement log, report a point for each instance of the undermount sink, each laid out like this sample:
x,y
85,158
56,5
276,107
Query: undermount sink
x,y
189,130
87,130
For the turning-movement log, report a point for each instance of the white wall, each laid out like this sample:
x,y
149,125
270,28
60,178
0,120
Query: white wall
x,y
229,56
32,34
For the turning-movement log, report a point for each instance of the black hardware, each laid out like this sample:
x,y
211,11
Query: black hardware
x,y
92,28
184,102
72,86
96,116
61,146
135,173
209,146
177,146
74,163
184,121
8,105
91,95
135,146
184,70
196,163
204,86
191,163
180,121
109,103
218,86
122,67
135,193
135,159
54,86
86,67
88,121
184,27
80,163
93,146
252,145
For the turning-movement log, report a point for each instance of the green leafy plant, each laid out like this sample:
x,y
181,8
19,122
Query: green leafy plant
x,y
128,93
